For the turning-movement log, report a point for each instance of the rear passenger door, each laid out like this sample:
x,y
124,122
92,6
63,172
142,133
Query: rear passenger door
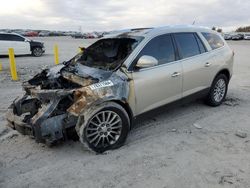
x,y
195,62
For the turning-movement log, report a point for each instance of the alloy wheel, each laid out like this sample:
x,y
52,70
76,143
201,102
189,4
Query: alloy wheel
x,y
104,129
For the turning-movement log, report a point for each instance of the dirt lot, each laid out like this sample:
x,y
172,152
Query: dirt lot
x,y
189,146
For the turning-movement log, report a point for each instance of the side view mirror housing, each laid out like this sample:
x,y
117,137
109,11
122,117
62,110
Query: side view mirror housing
x,y
146,61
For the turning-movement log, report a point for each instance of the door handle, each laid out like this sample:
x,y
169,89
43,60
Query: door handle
x,y
207,64
175,74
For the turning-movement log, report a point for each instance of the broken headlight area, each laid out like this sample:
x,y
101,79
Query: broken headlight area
x,y
43,114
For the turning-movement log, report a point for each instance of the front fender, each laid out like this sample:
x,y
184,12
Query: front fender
x,y
93,95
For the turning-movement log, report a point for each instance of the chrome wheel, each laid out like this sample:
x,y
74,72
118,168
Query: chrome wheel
x,y
219,90
104,129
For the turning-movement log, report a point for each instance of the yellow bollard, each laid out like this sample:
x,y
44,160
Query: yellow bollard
x,y
79,49
12,64
56,54
1,66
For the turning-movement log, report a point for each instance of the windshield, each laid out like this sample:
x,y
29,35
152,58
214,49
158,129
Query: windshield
x,y
107,54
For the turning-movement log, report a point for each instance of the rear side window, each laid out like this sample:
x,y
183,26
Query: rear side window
x,y
161,48
213,40
201,45
187,44
1,37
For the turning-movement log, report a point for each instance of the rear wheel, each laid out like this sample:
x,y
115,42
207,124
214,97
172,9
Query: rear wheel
x,y
106,129
37,51
218,90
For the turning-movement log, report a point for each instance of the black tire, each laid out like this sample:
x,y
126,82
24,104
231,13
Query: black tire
x,y
37,51
87,127
212,99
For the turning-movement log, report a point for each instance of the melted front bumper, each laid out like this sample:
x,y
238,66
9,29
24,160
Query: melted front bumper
x,y
39,116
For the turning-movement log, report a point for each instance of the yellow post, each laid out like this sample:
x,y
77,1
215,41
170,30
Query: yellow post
x,y
12,64
79,49
56,56
1,66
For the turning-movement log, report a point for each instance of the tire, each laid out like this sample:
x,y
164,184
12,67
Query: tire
x,y
37,51
218,90
109,131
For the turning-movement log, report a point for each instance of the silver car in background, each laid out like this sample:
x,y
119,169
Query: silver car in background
x,y
101,90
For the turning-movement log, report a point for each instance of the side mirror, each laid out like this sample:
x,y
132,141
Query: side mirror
x,y
146,61
26,40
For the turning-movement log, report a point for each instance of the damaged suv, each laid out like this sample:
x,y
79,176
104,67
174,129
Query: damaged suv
x,y
99,91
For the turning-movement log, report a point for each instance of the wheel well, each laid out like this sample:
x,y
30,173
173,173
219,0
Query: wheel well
x,y
225,72
35,47
127,108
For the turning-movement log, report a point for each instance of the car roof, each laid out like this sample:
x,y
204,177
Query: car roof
x,y
145,32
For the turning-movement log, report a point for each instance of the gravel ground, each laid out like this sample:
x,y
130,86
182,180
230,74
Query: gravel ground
x,y
188,146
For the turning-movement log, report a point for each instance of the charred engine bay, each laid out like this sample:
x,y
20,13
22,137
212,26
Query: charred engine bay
x,y
65,78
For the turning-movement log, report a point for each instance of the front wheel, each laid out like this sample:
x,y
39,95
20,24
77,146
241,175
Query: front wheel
x,y
218,90
106,129
37,51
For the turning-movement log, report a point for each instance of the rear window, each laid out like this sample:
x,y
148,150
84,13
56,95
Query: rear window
x,y
187,44
214,40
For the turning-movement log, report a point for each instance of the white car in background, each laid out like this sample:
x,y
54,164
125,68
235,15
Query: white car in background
x,y
247,36
21,45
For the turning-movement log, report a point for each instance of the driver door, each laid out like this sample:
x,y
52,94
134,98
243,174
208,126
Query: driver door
x,y
161,84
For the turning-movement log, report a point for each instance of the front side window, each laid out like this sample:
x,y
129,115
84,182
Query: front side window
x,y
213,40
161,48
16,38
187,44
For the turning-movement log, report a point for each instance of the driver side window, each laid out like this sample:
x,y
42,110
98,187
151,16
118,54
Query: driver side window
x,y
161,48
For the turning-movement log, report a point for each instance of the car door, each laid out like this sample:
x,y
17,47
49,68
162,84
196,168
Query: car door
x,y
161,84
195,62
21,46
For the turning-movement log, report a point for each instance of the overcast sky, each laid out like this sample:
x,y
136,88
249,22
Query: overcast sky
x,y
106,15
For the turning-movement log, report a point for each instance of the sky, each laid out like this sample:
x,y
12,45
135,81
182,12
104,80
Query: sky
x,y
107,15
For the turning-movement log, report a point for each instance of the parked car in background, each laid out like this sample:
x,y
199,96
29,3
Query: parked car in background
x,y
77,36
31,34
247,36
227,36
238,37
44,34
102,89
21,45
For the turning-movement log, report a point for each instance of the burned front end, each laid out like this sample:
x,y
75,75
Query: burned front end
x,y
55,98
42,114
